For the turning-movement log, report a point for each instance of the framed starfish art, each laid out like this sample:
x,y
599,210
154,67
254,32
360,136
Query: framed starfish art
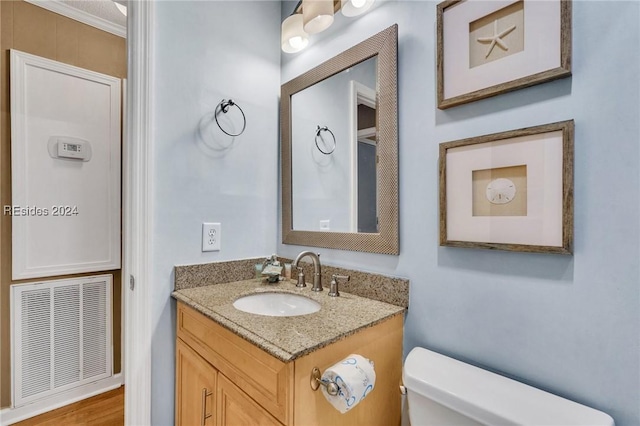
x,y
486,48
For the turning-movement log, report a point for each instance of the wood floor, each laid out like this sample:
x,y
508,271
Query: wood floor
x,y
106,409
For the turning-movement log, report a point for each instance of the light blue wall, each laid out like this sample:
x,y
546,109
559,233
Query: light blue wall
x,y
204,52
569,325
566,324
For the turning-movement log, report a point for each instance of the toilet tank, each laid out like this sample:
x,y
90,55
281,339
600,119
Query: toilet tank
x,y
445,391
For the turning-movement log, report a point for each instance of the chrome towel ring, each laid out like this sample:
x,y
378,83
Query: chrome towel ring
x,y
223,107
318,135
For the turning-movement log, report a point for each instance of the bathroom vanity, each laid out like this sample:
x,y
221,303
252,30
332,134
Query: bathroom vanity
x,y
234,367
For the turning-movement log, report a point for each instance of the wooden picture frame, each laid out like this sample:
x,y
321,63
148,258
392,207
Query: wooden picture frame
x,y
474,62
509,191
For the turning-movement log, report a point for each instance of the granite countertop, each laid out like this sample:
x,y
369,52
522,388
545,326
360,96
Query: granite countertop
x,y
287,338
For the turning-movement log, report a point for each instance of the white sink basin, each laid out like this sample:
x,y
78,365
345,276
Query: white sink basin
x,y
277,304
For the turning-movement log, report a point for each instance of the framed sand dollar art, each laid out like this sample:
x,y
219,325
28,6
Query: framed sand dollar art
x,y
509,191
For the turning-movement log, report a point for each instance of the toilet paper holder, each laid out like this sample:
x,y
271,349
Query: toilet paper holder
x,y
331,387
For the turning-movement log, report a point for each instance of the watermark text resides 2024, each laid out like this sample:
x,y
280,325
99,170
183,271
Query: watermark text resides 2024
x,y
34,211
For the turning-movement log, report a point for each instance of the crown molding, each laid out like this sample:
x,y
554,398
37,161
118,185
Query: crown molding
x,y
71,12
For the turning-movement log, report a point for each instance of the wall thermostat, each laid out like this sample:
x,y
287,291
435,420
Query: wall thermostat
x,y
70,148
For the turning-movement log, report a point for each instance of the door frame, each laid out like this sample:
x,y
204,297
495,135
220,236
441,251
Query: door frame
x,y
359,94
138,213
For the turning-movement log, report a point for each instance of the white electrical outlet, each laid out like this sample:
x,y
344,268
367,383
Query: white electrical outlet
x,y
211,235
325,225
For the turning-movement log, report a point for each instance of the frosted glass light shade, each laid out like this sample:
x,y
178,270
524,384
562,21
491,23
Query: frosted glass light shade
x,y
355,7
293,38
317,15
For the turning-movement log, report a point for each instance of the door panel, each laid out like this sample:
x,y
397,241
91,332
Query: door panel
x,y
195,388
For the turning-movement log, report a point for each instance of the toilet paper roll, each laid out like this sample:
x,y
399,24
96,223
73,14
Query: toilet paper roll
x,y
355,377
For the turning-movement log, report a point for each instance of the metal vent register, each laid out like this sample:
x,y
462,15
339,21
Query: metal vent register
x,y
61,336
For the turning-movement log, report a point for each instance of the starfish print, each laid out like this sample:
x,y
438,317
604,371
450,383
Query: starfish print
x,y
496,38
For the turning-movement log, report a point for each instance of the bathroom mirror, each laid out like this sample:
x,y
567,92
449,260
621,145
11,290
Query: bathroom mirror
x,y
340,150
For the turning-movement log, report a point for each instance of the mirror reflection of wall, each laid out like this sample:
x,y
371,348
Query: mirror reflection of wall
x,y
336,192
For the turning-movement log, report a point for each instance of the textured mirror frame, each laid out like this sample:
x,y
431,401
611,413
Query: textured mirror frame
x,y
384,45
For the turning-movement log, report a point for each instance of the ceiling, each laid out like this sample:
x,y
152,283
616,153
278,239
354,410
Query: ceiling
x,y
104,9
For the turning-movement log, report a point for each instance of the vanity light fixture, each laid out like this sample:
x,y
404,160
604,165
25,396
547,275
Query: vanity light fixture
x,y
314,16
355,7
317,15
121,7
294,38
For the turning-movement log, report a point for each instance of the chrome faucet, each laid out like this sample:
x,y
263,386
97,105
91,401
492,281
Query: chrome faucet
x,y
317,278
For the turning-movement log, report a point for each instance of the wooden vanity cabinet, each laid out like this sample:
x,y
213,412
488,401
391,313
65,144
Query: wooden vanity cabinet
x,y
223,379
262,377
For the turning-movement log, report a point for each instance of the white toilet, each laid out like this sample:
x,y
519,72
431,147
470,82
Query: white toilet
x,y
444,391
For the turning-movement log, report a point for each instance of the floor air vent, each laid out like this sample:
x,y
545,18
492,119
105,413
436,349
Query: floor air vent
x,y
61,336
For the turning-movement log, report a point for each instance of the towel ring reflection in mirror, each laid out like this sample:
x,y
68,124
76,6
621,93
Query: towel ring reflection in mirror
x,y
319,135
224,107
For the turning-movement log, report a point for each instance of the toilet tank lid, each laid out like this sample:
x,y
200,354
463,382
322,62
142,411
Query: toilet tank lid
x,y
490,398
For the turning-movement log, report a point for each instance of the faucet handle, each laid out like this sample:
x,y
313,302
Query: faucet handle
x,y
333,289
301,282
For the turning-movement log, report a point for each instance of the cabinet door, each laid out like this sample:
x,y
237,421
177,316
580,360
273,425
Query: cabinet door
x,y
195,388
234,407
